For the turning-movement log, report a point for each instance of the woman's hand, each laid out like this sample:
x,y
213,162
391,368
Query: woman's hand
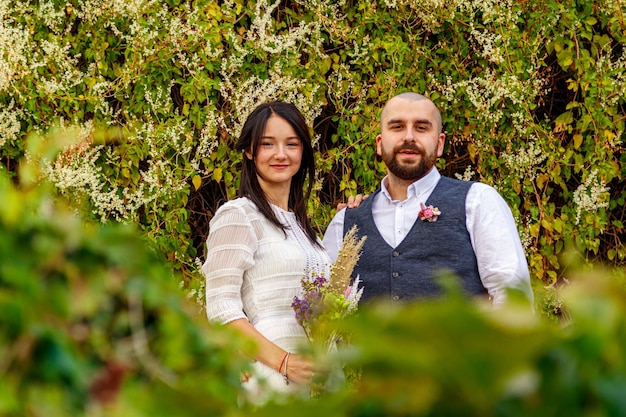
x,y
353,202
300,368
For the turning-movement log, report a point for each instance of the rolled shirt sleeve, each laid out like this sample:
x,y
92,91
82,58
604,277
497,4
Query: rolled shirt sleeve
x,y
502,263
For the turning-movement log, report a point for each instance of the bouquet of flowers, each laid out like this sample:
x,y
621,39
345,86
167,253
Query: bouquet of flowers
x,y
326,300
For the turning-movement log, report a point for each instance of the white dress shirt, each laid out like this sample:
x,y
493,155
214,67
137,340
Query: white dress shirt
x,y
493,233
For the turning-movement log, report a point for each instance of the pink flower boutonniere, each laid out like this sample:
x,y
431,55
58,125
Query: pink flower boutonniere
x,y
428,213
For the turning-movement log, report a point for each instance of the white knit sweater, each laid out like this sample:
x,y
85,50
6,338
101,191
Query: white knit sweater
x,y
254,271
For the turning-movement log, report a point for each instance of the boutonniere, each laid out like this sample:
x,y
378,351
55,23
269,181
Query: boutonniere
x,y
428,213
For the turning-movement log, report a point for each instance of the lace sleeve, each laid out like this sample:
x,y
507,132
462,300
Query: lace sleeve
x,y
230,252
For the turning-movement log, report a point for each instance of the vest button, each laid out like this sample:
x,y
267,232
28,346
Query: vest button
x,y
395,275
395,298
396,253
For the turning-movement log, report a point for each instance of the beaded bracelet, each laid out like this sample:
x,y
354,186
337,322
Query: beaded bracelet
x,y
280,367
286,360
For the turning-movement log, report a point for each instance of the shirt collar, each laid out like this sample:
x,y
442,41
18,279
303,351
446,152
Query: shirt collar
x,y
424,185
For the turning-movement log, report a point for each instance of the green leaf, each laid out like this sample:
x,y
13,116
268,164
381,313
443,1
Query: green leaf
x,y
197,181
578,140
217,174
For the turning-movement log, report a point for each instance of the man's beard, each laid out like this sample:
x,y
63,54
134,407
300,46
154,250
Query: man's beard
x,y
409,172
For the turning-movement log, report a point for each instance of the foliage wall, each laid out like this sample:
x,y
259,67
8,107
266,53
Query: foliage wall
x,y
532,96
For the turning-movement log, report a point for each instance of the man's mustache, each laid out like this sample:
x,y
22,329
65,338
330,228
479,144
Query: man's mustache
x,y
409,146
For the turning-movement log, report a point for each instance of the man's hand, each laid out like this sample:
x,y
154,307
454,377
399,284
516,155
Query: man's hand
x,y
353,202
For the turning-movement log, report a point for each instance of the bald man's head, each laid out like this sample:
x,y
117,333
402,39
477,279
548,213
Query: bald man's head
x,y
410,96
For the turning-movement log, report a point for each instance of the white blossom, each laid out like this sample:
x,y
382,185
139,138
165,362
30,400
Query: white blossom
x,y
10,126
590,195
523,163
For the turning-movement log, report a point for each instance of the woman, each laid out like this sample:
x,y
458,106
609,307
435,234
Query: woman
x,y
260,246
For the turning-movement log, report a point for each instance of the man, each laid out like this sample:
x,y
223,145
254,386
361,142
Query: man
x,y
419,223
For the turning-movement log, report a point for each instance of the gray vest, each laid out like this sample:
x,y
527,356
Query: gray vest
x,y
408,271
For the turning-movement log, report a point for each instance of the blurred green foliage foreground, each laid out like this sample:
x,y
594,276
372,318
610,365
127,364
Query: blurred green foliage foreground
x,y
92,321
92,325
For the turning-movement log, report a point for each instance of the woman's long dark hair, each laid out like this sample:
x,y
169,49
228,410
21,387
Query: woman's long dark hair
x,y
251,134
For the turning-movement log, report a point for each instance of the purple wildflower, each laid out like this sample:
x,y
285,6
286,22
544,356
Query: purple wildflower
x,y
301,307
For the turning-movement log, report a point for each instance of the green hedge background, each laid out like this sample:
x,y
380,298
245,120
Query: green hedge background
x,y
532,95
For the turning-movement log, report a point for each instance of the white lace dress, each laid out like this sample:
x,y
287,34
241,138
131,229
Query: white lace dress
x,y
254,271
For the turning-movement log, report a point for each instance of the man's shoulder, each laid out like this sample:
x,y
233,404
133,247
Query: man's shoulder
x,y
455,183
476,189
358,215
